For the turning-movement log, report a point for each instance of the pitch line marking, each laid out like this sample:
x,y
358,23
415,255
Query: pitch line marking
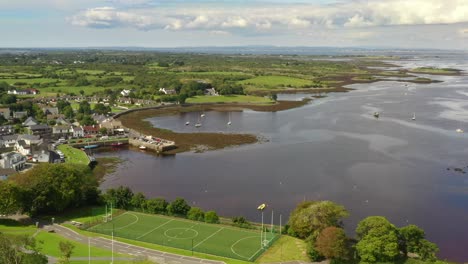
x,y
208,237
155,228
235,243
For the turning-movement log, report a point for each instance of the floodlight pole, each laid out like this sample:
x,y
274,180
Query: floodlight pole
x,y
112,243
261,233
106,213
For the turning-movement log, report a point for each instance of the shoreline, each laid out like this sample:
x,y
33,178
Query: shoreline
x,y
201,141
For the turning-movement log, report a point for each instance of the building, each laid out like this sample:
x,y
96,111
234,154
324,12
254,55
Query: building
x,y
100,118
60,130
23,92
44,131
113,126
50,110
5,112
12,160
46,156
20,114
30,121
211,92
7,130
77,132
22,147
167,91
30,139
9,141
125,92
90,130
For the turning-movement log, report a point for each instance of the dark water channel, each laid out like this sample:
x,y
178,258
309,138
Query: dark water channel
x,y
332,149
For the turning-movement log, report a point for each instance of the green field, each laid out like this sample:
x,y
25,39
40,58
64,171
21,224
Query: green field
x,y
74,155
228,99
220,240
277,81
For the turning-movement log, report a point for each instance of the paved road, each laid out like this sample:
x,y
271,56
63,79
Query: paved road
x,y
124,248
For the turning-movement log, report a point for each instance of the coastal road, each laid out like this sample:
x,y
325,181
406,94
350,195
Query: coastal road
x,y
124,248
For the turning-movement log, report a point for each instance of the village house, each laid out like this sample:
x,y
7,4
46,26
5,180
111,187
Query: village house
x,y
44,131
90,130
77,132
113,126
125,92
211,92
60,130
30,139
30,121
5,112
12,160
167,91
50,110
20,114
9,141
46,156
7,130
22,147
23,92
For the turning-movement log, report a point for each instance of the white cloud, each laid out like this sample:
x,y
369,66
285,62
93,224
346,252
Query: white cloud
x,y
276,17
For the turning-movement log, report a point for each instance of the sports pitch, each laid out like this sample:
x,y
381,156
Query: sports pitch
x,y
220,240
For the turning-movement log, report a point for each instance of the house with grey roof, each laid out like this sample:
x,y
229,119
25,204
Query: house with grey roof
x,y
44,131
20,114
50,110
30,121
6,113
9,141
7,130
22,147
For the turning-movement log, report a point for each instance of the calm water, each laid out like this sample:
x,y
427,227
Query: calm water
x,y
332,149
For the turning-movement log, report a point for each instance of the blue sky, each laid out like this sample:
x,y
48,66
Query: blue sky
x,y
175,23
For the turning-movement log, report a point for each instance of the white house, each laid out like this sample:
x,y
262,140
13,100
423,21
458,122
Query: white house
x,y
78,132
167,91
12,160
125,92
211,92
60,130
22,147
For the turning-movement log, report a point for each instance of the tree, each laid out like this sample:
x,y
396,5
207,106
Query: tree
x,y
378,240
68,112
103,131
410,236
240,221
12,250
55,187
81,92
120,197
211,217
427,250
178,207
101,109
66,248
332,243
311,217
412,240
84,108
157,206
9,198
196,214
138,201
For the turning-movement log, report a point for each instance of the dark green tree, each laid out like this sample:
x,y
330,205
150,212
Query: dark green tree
x,y
120,197
211,217
178,207
66,248
10,198
157,206
196,214
138,201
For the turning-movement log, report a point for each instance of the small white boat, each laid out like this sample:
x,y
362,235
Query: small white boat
x,y
202,115
187,123
459,130
414,116
197,125
142,147
229,123
376,114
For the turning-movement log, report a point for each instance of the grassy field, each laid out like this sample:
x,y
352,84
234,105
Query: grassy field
x,y
74,155
229,99
276,81
285,249
212,239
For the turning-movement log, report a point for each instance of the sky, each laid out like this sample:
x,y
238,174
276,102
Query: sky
x,y
438,24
